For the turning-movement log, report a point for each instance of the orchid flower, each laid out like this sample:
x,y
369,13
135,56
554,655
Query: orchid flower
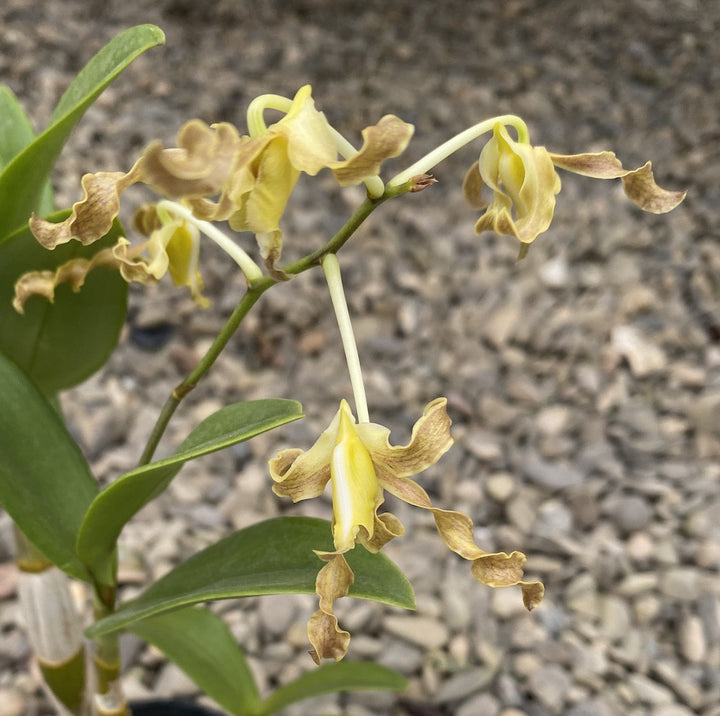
x,y
360,463
215,174
524,183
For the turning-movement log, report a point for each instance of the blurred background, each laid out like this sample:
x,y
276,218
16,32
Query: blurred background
x,y
583,382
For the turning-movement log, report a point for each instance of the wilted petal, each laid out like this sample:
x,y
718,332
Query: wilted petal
x,y
387,527
384,140
430,440
332,582
639,184
173,247
72,272
456,529
134,267
498,219
642,190
92,217
199,166
302,474
598,165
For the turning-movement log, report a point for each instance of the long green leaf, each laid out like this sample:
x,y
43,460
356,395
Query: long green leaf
x,y
200,643
16,132
60,344
272,557
118,502
327,679
45,482
23,180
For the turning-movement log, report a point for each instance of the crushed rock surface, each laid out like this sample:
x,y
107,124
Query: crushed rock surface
x,y
583,382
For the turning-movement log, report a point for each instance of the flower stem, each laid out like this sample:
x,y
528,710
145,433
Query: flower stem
x,y
423,165
331,269
255,122
246,303
255,289
251,270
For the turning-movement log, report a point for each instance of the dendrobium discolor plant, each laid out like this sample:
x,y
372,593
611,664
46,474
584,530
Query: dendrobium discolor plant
x,y
216,174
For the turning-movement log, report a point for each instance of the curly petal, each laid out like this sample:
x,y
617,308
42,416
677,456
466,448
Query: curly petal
x,y
429,441
90,218
384,140
332,583
302,474
199,166
456,529
639,184
73,273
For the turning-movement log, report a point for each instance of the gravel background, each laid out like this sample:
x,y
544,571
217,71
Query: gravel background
x,y
584,382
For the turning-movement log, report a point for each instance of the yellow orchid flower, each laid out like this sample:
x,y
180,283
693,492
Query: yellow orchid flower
x,y
524,184
269,165
360,463
172,248
218,175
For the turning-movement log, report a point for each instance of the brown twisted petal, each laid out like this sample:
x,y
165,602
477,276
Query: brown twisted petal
x,y
73,273
386,527
299,481
499,220
146,219
133,267
639,184
92,217
388,138
641,189
333,582
429,441
199,166
456,529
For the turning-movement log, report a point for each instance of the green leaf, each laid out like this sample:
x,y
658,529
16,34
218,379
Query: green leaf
x,y
343,676
118,502
60,344
23,181
272,557
200,643
16,132
45,482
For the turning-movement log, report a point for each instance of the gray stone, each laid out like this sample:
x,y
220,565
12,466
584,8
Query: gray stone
x,y
277,612
691,639
425,632
681,583
480,705
550,685
672,710
629,513
643,355
593,707
552,476
463,684
401,657
649,691
615,617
